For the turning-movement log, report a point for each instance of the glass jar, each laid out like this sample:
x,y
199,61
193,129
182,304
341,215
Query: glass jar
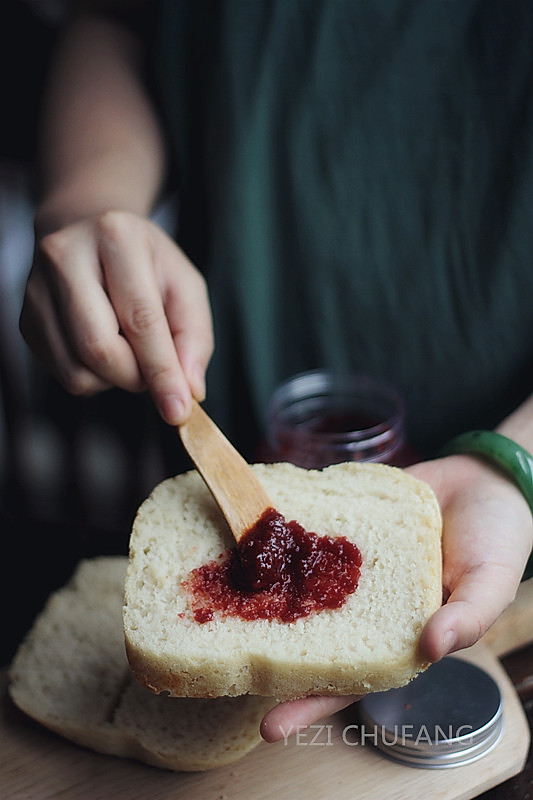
x,y
320,418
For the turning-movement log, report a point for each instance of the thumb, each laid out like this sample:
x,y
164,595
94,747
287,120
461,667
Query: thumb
x,y
473,606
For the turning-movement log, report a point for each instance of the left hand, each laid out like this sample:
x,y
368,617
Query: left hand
x,y
487,538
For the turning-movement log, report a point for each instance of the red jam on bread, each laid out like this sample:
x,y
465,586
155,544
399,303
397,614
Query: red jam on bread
x,y
278,571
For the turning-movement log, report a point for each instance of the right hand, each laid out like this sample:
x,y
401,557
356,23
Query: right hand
x,y
111,300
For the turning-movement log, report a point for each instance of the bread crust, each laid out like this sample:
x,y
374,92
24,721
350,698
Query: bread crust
x,y
281,684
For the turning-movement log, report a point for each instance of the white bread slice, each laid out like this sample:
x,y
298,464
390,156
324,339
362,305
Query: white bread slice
x,y
71,674
368,644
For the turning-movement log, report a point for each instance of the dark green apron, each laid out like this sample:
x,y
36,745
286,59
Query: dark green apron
x,y
356,183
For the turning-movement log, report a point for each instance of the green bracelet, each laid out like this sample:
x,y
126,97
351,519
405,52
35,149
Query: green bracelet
x,y
509,456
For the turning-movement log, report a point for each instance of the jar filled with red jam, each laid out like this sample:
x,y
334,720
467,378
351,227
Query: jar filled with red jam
x,y
320,418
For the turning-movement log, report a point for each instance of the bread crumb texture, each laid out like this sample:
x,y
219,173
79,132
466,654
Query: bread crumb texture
x,y
71,674
369,644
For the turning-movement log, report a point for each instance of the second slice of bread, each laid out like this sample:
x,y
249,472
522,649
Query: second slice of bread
x,y
71,674
368,644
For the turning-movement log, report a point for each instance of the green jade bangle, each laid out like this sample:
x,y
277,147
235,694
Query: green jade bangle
x,y
510,457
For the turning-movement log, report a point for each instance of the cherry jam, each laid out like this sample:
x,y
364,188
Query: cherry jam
x,y
278,571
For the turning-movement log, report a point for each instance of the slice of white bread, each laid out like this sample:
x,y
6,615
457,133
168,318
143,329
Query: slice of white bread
x,y
71,674
368,644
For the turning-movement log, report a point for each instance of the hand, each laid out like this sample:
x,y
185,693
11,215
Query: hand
x,y
112,301
487,537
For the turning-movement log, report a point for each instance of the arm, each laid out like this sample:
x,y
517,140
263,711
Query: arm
x,y
111,300
101,145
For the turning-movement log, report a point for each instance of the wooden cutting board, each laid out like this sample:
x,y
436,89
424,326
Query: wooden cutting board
x,y
326,762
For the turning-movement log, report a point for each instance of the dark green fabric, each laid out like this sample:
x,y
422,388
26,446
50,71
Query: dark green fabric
x,y
356,182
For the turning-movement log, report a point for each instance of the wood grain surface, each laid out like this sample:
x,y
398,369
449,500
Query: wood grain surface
x,y
37,765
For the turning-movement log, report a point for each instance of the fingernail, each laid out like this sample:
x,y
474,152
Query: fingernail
x,y
171,408
198,377
448,640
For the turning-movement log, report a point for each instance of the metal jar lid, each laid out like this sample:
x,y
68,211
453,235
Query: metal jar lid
x,y
449,715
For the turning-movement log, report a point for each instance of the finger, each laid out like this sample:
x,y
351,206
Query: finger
x,y
191,327
94,331
44,335
287,718
89,324
474,605
137,300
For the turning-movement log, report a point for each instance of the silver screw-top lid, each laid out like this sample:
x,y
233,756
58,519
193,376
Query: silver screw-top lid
x,y
449,715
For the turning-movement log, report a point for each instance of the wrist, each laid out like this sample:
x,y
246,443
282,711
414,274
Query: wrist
x,y
104,184
500,451
66,207
57,212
